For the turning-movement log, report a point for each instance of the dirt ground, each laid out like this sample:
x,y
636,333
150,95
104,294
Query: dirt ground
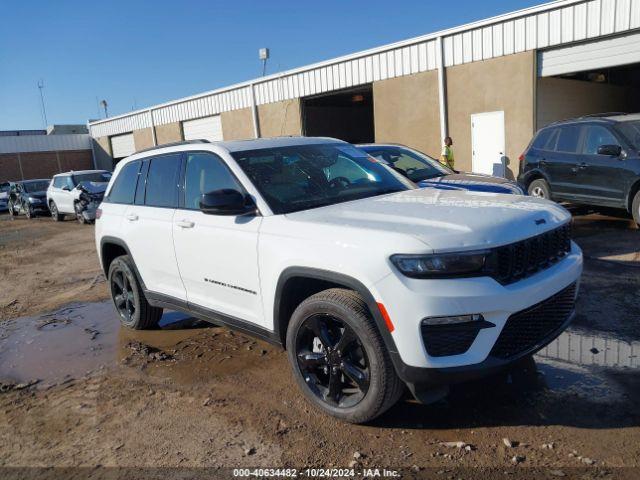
x,y
77,391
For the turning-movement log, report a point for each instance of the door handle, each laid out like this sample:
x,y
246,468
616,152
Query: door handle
x,y
185,224
582,166
132,217
543,162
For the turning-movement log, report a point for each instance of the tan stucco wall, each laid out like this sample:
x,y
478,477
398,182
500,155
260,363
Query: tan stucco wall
x,y
169,132
102,151
505,83
406,110
143,139
279,118
237,124
561,98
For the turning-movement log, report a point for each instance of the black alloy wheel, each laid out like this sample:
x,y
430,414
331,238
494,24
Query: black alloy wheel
x,y
123,296
128,296
332,360
338,357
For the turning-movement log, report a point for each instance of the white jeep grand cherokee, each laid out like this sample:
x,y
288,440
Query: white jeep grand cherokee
x,y
368,282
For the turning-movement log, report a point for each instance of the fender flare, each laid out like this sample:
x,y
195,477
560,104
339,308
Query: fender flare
x,y
121,243
341,279
537,173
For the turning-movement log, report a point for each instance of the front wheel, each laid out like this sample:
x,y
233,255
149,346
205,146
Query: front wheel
x,y
635,207
540,188
339,359
132,306
55,214
28,211
12,211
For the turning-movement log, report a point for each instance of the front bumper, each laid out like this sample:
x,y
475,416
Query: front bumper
x,y
410,301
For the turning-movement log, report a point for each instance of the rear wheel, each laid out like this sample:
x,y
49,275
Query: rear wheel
x,y
635,208
55,214
339,359
540,188
128,297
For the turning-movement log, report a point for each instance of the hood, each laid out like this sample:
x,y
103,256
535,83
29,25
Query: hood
x,y
40,194
476,182
445,220
4,195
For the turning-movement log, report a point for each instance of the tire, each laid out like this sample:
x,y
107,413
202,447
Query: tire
x,y
55,214
337,315
133,308
12,212
635,208
28,212
539,188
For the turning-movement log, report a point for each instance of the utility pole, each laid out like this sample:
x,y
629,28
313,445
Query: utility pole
x,y
44,110
263,54
103,103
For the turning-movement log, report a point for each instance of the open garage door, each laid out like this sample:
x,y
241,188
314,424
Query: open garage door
x,y
347,115
589,78
122,146
207,128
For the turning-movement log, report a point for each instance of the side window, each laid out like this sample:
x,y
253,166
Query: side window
x,y
205,172
162,181
568,140
124,187
69,182
542,139
58,182
598,135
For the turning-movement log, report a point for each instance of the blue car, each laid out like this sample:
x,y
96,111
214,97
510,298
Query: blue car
x,y
427,172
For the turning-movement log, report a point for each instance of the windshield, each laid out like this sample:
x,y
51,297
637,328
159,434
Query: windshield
x,y
301,177
98,177
631,131
35,186
414,165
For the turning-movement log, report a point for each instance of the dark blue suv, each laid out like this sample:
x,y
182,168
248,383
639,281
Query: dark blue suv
x,y
591,160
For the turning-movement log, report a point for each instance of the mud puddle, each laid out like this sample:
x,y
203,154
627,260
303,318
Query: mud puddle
x,y
76,340
79,339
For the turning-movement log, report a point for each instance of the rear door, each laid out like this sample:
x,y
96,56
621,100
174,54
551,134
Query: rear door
x,y
148,225
559,160
601,178
217,254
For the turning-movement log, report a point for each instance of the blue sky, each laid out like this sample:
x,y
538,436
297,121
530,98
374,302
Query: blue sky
x,y
135,54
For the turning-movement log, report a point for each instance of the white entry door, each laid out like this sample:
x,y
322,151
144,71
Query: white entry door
x,y
487,143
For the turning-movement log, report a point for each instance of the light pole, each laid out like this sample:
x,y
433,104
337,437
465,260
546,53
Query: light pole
x,y
103,103
44,110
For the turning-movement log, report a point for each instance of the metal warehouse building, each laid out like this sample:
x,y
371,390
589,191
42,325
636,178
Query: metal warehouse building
x,y
490,85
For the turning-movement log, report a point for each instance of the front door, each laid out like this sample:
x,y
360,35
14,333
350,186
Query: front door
x,y
217,254
601,178
487,143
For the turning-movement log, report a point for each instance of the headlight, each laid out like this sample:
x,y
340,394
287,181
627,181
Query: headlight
x,y
34,200
443,265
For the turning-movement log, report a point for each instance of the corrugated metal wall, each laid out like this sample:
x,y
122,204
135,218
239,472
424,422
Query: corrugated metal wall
x,y
550,25
44,143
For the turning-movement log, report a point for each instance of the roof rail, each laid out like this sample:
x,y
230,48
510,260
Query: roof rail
x,y
605,114
174,144
590,115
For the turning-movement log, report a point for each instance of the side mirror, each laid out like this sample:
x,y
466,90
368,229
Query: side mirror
x,y
66,188
226,202
610,150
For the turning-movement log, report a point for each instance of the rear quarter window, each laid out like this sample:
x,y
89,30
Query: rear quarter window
x,y
124,186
